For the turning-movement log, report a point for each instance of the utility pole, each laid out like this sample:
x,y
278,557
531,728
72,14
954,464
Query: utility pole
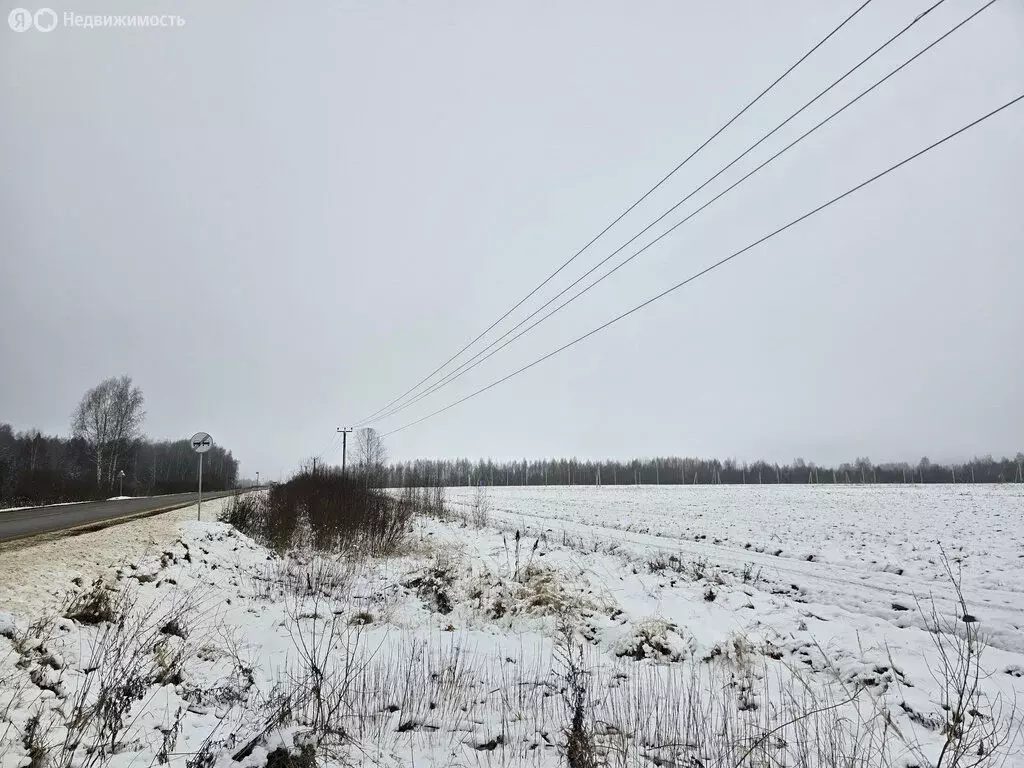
x,y
344,446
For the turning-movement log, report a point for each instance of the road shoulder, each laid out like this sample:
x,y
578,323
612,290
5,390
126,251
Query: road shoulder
x,y
35,573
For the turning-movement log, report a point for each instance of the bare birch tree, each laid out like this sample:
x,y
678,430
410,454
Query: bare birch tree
x,y
126,419
91,423
107,418
370,455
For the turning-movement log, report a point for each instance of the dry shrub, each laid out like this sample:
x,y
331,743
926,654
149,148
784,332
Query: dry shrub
x,y
94,606
129,652
334,512
975,727
306,574
580,748
538,592
655,639
480,512
434,585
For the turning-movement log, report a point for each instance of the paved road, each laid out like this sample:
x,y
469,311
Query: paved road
x,y
26,522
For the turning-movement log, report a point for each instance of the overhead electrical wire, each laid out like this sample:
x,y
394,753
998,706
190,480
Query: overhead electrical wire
x,y
484,355
717,264
622,215
331,447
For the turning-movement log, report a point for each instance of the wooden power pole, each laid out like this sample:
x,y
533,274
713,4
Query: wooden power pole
x,y
344,446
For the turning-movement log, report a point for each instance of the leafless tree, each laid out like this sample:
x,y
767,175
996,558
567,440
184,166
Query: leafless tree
x,y
370,455
126,420
91,422
107,418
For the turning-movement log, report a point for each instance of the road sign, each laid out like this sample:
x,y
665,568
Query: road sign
x,y
201,442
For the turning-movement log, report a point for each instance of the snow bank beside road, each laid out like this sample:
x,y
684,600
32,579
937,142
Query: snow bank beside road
x,y
34,578
34,506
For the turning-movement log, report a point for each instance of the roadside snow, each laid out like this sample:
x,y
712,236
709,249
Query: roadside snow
x,y
35,506
35,577
453,653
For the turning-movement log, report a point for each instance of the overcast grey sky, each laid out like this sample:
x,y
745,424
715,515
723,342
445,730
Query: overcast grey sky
x,y
276,220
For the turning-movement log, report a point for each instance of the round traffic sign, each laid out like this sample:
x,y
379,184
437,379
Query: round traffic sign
x,y
201,442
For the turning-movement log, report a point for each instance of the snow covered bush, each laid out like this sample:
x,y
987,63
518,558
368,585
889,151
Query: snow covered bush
x,y
655,639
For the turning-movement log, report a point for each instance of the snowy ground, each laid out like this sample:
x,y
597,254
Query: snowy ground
x,y
36,578
767,611
33,506
870,550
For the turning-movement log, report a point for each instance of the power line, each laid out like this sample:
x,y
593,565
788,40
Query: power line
x,y
622,215
329,449
483,355
716,265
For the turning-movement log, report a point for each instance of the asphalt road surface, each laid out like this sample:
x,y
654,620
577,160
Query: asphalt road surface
x,y
20,523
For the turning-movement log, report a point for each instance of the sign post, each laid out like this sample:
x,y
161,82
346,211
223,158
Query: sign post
x,y
201,443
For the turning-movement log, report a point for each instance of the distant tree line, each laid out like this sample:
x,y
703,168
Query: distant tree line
x,y
674,470
105,440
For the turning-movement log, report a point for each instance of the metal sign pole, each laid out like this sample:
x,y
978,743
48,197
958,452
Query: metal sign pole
x,y
201,443
199,516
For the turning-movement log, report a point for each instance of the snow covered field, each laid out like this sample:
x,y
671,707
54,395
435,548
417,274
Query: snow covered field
x,y
687,626
865,549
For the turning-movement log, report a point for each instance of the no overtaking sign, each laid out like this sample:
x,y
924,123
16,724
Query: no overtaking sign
x,y
201,442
